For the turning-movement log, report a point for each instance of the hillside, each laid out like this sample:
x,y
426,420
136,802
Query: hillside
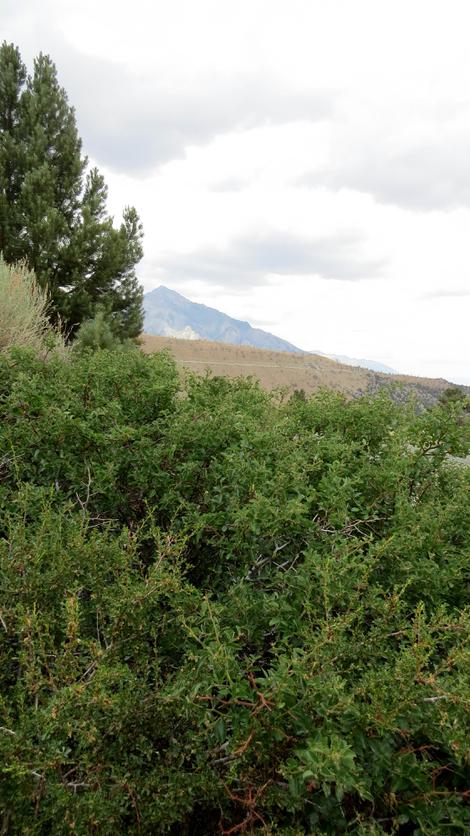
x,y
372,365
169,314
276,369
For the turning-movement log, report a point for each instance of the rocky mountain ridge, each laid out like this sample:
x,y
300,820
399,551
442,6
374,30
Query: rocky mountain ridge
x,y
169,314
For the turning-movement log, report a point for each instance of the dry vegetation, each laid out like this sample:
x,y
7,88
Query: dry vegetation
x,y
276,369
24,309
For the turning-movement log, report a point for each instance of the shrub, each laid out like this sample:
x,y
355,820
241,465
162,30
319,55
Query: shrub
x,y
95,334
24,311
219,613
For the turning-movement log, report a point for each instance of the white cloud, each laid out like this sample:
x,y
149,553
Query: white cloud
x,y
341,127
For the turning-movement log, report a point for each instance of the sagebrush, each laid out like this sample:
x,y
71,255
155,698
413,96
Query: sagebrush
x,y
24,309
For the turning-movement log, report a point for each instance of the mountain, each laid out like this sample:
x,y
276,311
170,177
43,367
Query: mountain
x,y
373,365
168,314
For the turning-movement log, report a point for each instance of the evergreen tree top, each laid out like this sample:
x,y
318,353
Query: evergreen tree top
x,y
53,211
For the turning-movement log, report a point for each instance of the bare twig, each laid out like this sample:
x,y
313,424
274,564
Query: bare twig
x,y
435,699
84,503
74,785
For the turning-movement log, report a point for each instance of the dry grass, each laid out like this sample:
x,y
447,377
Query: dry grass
x,y
274,369
24,311
277,369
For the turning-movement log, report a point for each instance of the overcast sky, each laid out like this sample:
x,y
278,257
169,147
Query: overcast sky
x,y
301,164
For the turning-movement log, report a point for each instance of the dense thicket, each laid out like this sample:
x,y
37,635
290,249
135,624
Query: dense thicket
x,y
223,612
54,216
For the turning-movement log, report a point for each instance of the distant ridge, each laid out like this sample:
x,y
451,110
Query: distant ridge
x,y
356,361
169,314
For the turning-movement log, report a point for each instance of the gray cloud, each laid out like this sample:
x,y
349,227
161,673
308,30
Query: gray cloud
x,y
134,123
250,260
431,176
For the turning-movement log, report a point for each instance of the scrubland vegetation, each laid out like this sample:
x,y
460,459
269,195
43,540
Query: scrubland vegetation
x,y
24,311
226,612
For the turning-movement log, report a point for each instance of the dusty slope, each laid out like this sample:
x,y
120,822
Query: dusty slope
x,y
276,369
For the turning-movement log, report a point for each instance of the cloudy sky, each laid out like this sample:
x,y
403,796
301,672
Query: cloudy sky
x,y
301,164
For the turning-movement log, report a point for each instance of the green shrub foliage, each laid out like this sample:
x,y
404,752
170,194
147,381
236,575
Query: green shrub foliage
x,y
97,333
222,611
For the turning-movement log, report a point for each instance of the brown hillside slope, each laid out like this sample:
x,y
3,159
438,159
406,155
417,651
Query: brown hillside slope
x,y
276,369
273,369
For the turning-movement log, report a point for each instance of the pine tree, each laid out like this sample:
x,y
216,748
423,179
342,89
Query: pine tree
x,y
12,80
54,216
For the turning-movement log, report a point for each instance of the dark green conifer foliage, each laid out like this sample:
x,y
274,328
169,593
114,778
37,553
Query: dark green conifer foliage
x,y
12,80
51,214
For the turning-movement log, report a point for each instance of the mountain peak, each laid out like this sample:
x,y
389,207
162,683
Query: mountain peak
x,y
169,314
163,291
